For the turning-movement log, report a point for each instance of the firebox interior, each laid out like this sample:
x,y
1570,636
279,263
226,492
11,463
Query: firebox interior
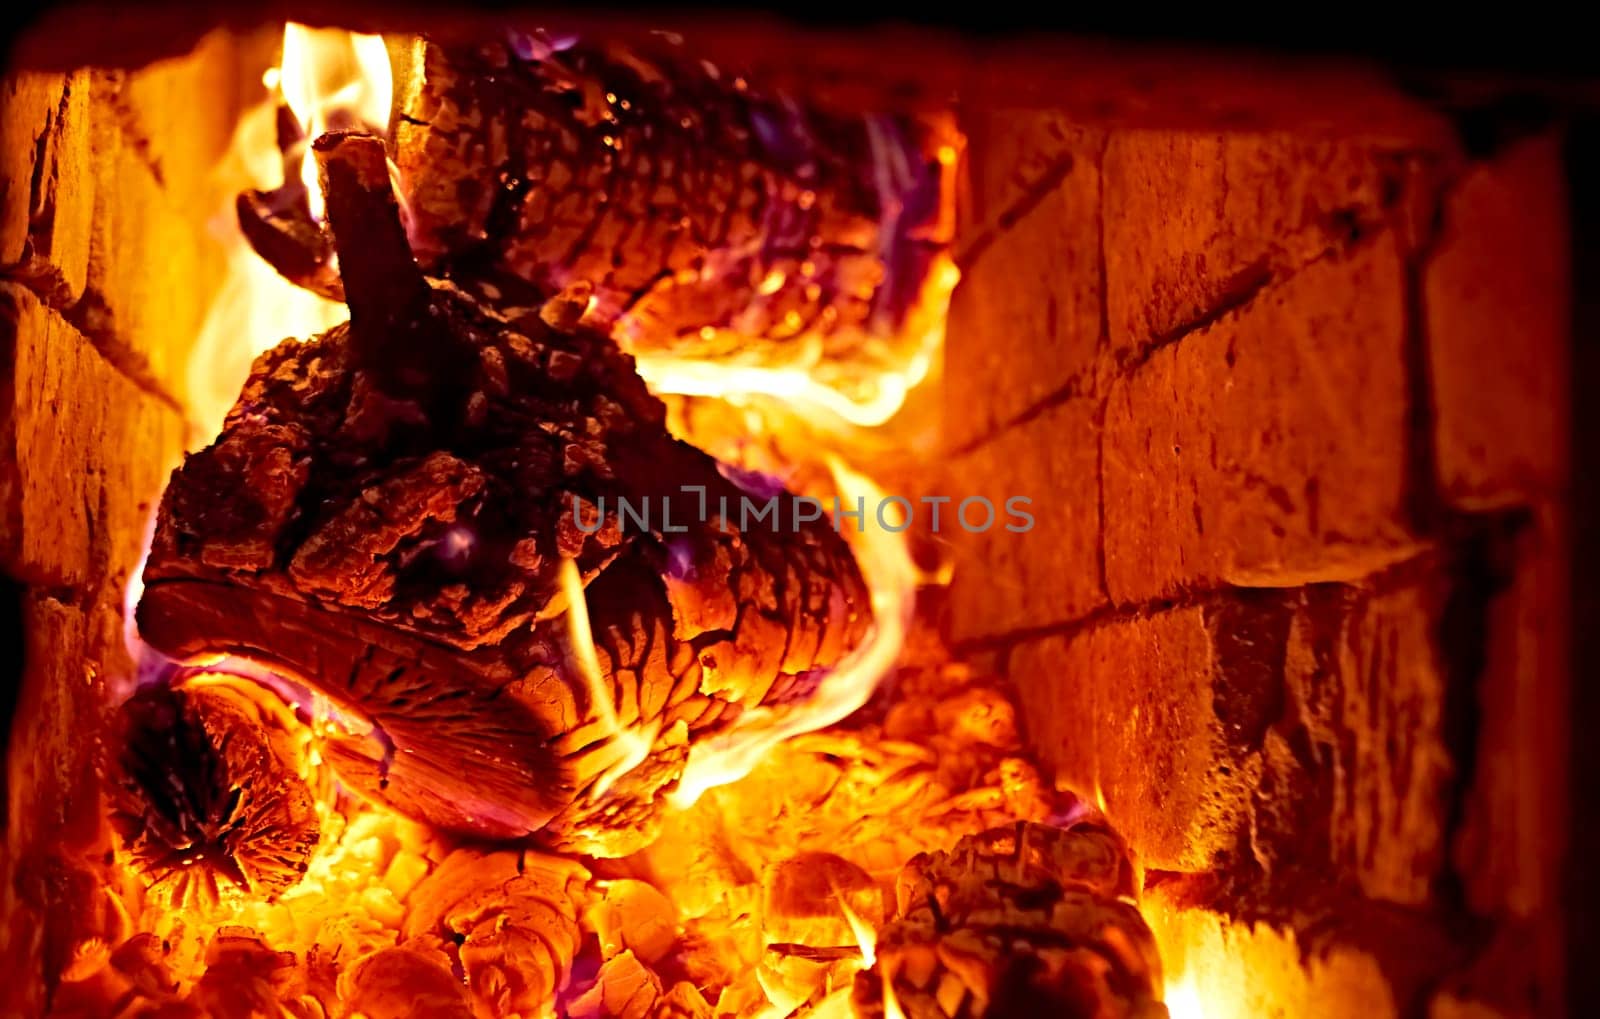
x,y
1181,628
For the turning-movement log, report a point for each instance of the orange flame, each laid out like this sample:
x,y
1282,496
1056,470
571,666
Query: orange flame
x,y
634,744
857,394
892,577
329,78
333,79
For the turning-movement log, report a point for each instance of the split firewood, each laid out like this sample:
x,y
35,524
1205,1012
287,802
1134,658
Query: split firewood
x,y
1018,921
387,518
712,219
208,792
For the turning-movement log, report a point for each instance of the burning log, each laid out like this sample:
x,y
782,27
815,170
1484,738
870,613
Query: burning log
x,y
687,197
712,220
388,517
817,912
1018,921
208,792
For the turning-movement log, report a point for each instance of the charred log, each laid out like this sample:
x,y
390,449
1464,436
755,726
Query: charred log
x,y
1018,921
385,517
713,219
208,795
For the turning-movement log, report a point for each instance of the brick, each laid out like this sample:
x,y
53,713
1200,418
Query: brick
x,y
183,140
1126,708
1268,449
28,104
153,265
87,452
1194,221
1518,974
1497,295
46,191
1013,153
1025,320
1449,1006
1004,580
1357,779
1508,849
57,831
69,651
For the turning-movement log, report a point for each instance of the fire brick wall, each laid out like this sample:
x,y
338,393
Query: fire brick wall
x,y
106,269
1291,411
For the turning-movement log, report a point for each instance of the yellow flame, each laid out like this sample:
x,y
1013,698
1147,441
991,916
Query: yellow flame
x,y
866,937
891,576
891,1001
860,394
1183,1000
329,78
333,79
635,744
255,307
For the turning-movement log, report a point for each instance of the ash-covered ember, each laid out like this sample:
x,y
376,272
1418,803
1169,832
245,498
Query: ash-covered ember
x,y
208,793
712,218
1018,921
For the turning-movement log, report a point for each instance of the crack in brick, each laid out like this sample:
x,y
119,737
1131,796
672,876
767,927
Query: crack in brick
x,y
1036,192
128,123
1387,579
92,318
1250,284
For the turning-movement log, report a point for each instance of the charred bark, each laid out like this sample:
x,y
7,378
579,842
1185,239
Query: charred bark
x,y
714,220
384,518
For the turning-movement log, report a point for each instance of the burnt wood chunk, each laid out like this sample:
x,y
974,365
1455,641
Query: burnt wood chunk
x,y
208,792
507,921
384,519
1019,921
